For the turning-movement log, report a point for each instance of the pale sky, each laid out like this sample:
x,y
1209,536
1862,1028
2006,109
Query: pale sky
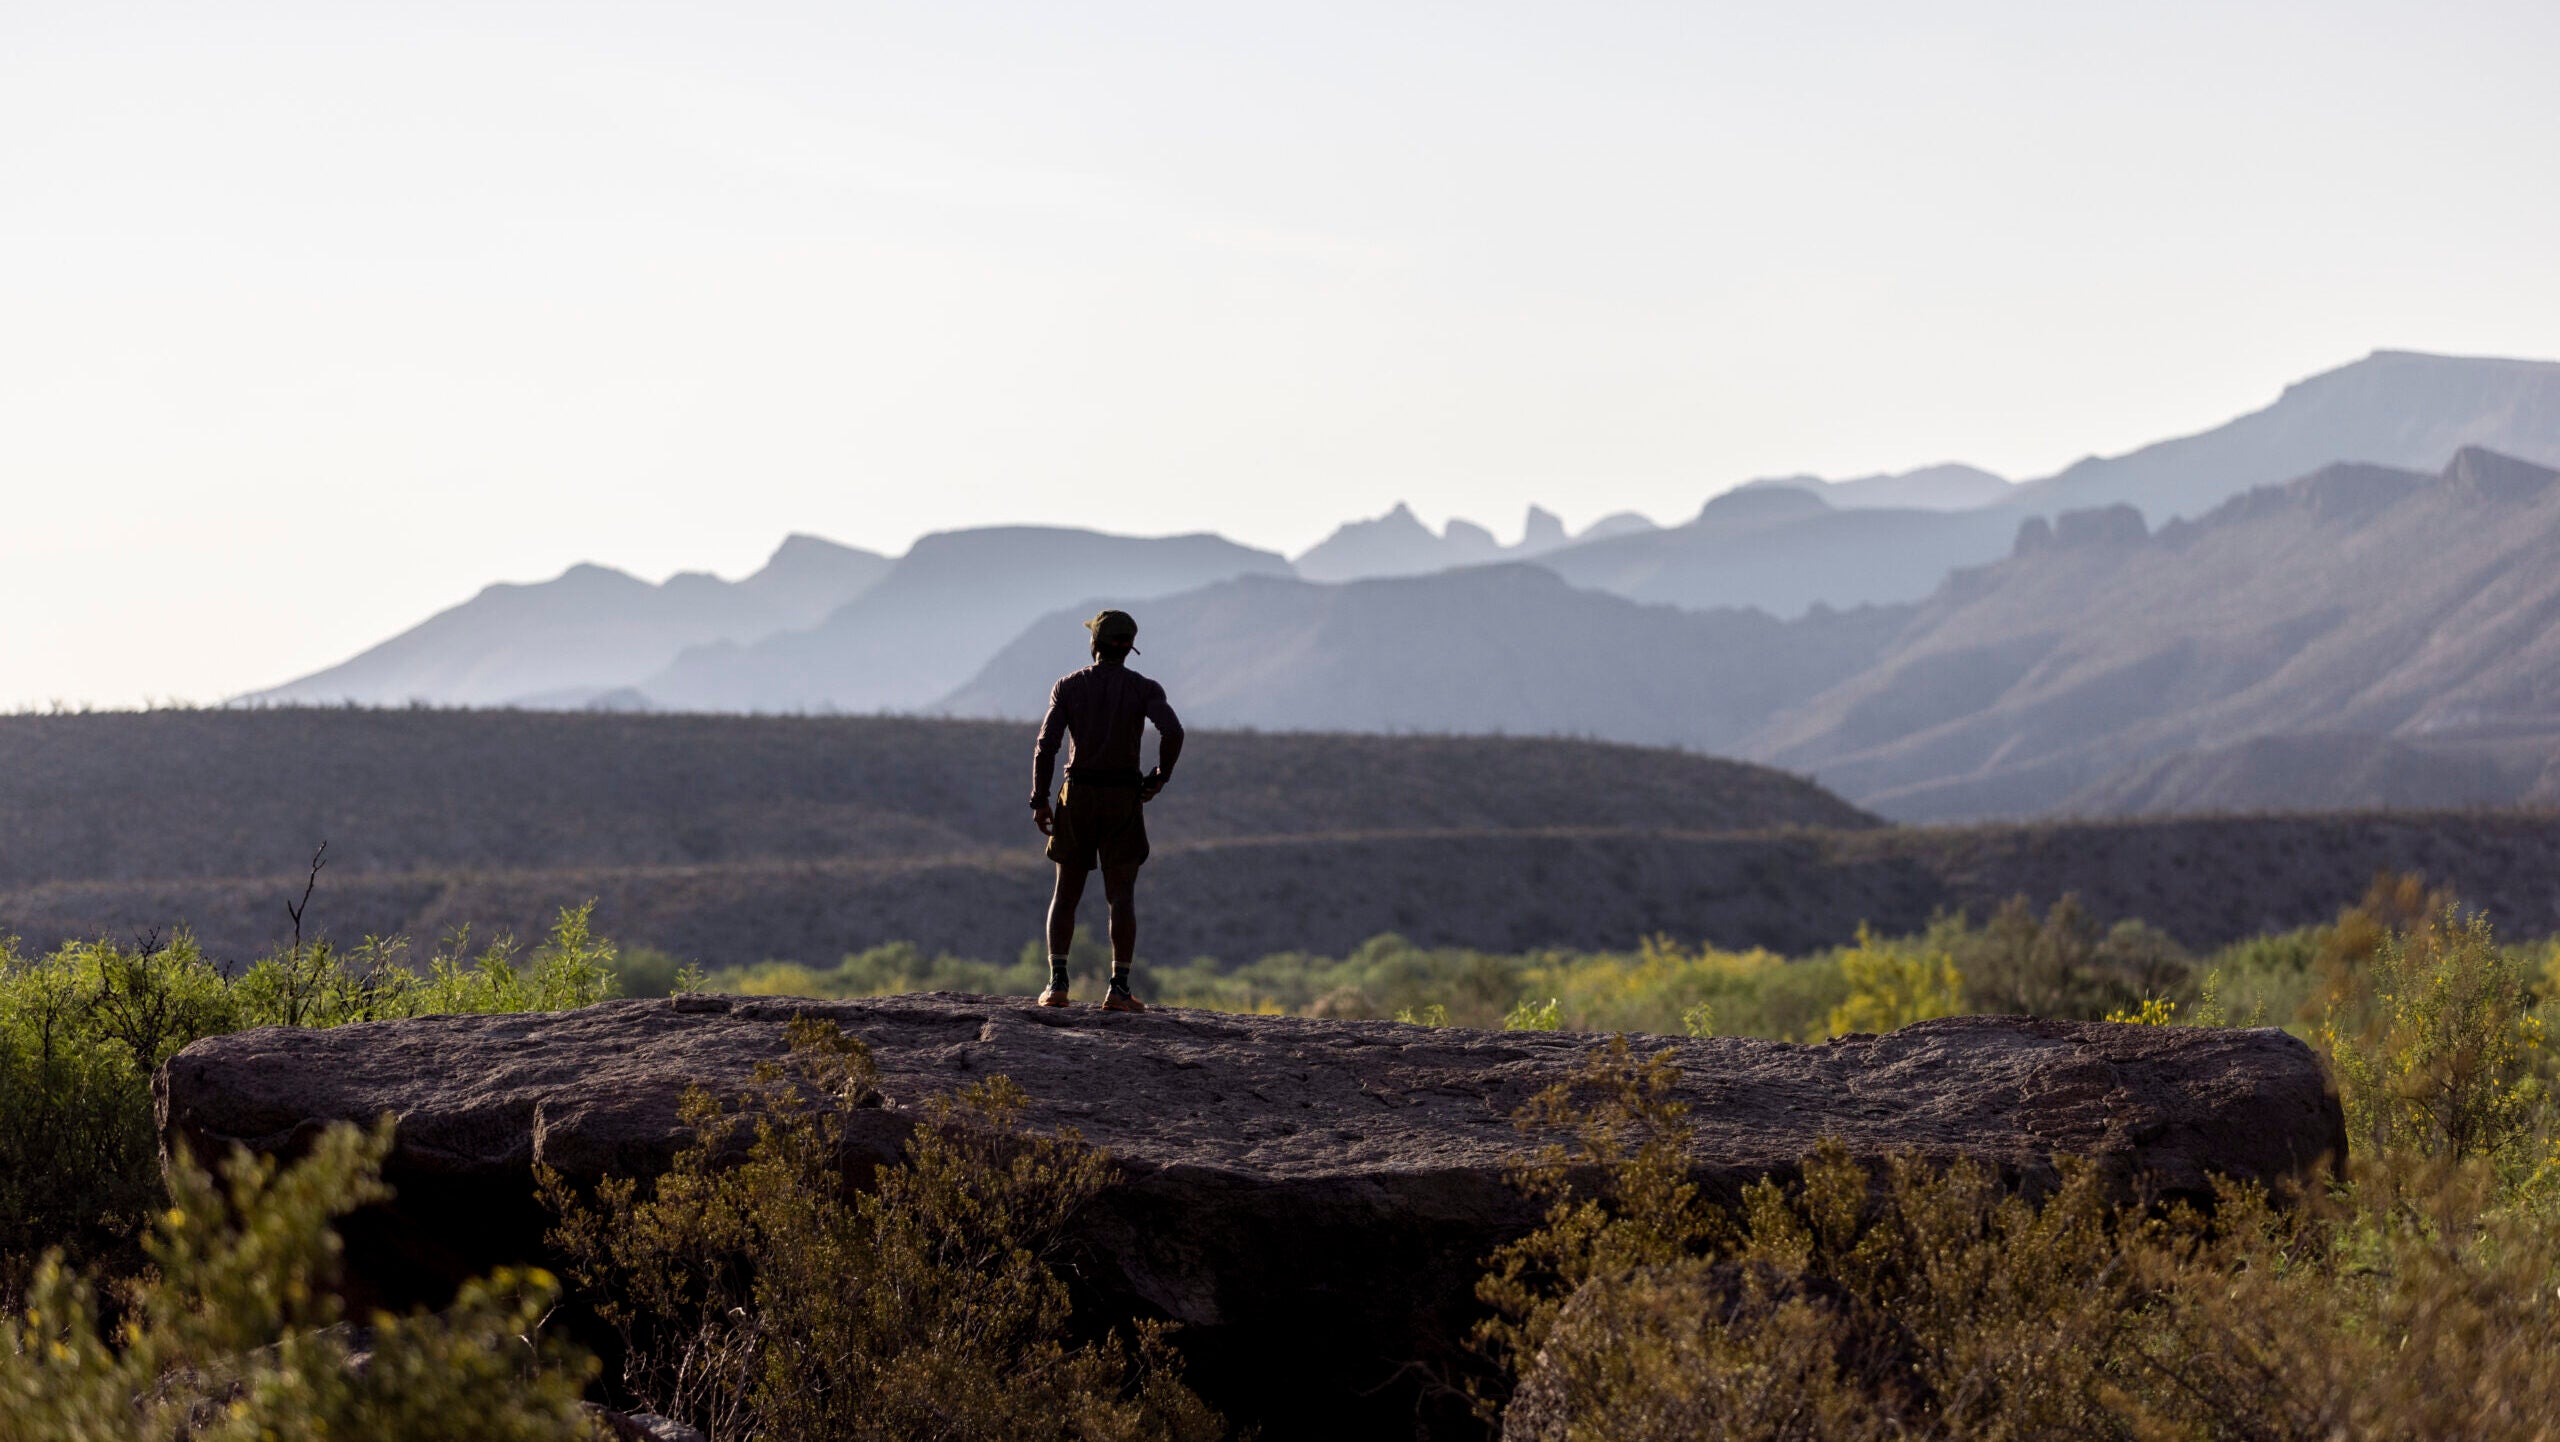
x,y
315,318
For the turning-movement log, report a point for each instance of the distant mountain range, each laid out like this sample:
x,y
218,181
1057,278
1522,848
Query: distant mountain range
x,y
950,603
1935,644
2105,668
1399,544
2392,408
1784,551
1505,649
1947,487
2361,636
587,631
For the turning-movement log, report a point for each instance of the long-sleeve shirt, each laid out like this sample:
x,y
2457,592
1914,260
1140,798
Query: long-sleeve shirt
x,y
1103,711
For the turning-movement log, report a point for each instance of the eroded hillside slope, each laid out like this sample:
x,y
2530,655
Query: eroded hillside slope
x,y
2356,601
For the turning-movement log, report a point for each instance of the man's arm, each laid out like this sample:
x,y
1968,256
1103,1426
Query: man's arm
x,y
1044,753
1168,743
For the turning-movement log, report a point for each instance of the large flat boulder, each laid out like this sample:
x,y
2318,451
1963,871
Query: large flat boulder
x,y
1311,1200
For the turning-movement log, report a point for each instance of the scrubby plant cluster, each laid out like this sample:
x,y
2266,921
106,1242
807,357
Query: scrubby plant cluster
x,y
756,1292
2416,1296
234,1334
759,1297
82,1029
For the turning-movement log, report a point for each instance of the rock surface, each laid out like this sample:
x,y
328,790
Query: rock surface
x,y
1311,1200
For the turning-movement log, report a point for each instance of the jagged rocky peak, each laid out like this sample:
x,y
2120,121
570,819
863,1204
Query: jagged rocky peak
x,y
2118,525
2491,476
2357,491
2352,489
1543,531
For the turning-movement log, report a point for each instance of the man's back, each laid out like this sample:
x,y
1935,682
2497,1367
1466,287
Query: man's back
x,y
1103,710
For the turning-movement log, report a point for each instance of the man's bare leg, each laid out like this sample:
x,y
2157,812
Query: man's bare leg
x,y
1062,928
1120,891
1062,907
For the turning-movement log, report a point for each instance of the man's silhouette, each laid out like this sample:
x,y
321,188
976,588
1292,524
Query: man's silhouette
x,y
1103,710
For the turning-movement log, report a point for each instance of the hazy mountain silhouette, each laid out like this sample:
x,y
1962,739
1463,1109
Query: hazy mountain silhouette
x,y
2359,601
2363,636
1399,544
1507,648
2392,408
1783,549
1948,487
945,607
2383,631
559,642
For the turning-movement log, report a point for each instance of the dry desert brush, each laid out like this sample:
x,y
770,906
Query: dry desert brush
x,y
2418,1297
83,1027
234,1333
758,1295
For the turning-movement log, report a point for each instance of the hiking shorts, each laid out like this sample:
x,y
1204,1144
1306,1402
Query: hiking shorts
x,y
1102,826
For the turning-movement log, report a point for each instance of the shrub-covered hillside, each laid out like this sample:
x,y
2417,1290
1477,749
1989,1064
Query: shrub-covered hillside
x,y
730,840
169,794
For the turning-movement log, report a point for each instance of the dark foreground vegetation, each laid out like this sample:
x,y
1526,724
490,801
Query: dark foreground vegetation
x,y
750,1293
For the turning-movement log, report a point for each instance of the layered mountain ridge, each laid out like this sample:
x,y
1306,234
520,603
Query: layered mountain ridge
x,y
2359,601
932,621
2367,627
586,631
1399,544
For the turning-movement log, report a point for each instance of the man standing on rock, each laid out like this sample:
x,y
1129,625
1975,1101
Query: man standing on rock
x,y
1099,819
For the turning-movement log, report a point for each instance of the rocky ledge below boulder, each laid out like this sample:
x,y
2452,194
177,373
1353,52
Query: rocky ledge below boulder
x,y
1311,1200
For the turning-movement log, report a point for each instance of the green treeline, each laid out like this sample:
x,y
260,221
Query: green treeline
x,y
2058,963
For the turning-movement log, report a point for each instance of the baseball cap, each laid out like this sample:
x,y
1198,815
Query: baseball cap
x,y
1114,628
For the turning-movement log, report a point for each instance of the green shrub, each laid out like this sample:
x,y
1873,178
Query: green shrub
x,y
1892,986
2436,1046
233,1334
81,1031
756,1298
2414,1300
83,1028
1631,1134
1662,984
647,971
2063,964
1545,1015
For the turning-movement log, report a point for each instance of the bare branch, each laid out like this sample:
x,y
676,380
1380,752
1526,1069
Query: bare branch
x,y
319,858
